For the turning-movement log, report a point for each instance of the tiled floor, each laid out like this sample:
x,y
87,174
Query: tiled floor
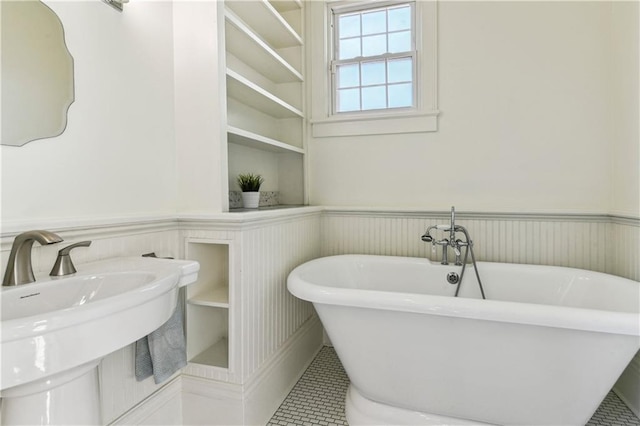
x,y
318,399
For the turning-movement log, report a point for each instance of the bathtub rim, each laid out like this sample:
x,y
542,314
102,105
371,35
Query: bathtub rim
x,y
585,319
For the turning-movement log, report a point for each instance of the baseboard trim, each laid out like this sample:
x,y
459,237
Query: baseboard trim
x,y
152,404
269,387
255,401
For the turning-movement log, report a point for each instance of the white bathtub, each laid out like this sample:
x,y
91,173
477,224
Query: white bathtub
x,y
543,349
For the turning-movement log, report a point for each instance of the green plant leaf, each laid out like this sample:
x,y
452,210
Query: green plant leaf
x,y
250,182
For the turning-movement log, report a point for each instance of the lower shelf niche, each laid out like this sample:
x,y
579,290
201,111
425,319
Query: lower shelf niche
x,y
207,335
216,355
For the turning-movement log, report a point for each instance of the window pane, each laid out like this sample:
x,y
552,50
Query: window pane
x,y
349,48
401,95
348,76
400,70
374,45
400,18
373,98
374,22
349,26
400,42
348,100
373,73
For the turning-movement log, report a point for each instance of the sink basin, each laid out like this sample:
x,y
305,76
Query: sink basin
x,y
43,298
58,324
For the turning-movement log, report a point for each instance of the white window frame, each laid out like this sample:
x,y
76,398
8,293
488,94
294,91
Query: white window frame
x,y
324,122
335,62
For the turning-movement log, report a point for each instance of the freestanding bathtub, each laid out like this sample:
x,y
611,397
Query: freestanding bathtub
x,y
544,348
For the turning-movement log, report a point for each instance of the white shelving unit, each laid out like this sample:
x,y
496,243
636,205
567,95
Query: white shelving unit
x,y
208,303
264,53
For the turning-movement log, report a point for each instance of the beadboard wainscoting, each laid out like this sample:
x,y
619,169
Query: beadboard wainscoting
x,y
623,244
600,243
272,335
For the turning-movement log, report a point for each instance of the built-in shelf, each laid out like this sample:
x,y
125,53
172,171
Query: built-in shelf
x,y
265,93
207,313
217,297
249,93
216,355
245,44
253,140
265,20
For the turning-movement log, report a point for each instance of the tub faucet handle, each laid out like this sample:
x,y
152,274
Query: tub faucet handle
x,y
64,265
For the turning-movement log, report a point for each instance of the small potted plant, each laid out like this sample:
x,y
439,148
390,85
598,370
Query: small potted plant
x,y
250,185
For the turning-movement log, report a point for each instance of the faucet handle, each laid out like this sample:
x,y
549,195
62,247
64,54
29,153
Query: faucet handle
x,y
64,265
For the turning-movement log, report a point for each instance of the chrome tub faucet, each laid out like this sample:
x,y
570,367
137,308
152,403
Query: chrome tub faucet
x,y
19,269
456,244
452,242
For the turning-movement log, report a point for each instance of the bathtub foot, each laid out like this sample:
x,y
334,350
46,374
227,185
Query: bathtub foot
x,y
362,411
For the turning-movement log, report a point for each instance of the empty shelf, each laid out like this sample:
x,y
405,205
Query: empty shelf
x,y
218,297
286,5
265,20
216,355
253,140
243,43
249,93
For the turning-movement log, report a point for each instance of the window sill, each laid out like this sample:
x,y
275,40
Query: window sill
x,y
382,124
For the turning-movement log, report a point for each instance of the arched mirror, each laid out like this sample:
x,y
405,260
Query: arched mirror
x,y
37,73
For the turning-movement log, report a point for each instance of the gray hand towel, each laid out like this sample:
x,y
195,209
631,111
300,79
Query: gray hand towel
x,y
163,352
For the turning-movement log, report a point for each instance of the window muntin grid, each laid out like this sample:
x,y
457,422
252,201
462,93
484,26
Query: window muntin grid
x,y
374,58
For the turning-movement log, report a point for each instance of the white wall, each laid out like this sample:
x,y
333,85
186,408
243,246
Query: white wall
x,y
526,123
116,157
625,92
199,88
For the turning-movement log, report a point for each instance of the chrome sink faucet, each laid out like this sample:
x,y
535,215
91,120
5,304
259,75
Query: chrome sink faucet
x,y
19,269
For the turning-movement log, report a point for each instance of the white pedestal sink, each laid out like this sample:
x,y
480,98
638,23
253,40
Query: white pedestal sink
x,y
55,332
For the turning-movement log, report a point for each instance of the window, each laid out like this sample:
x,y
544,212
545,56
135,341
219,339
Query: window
x,y
373,67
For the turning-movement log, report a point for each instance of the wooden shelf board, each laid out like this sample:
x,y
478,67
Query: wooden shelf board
x,y
216,355
253,140
249,93
286,5
242,42
217,298
265,20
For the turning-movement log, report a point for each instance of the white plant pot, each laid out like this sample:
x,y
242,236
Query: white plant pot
x,y
251,200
